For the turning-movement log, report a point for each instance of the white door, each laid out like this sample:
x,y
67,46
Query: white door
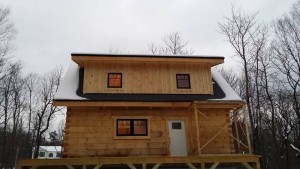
x,y
177,138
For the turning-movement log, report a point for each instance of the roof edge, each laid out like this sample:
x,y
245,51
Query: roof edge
x,y
148,55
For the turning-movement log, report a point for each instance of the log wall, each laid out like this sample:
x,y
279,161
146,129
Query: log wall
x,y
91,132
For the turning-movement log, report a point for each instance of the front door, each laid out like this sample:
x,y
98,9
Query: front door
x,y
177,138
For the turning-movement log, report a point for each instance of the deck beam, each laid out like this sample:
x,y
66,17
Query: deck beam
x,y
98,162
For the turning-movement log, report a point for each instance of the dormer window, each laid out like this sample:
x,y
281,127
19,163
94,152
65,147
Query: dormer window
x,y
114,80
183,81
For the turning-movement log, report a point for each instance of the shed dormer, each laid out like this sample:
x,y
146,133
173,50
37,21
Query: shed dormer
x,y
146,74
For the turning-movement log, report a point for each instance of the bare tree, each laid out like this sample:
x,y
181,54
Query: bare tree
x,y
46,110
31,82
172,45
239,31
286,47
7,35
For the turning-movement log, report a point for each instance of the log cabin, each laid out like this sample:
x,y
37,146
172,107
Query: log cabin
x,y
162,108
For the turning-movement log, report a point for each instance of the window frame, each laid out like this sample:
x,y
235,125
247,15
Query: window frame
x,y
137,137
111,73
189,81
132,127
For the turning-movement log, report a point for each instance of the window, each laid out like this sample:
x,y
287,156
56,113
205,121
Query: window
x,y
50,155
183,81
58,154
176,125
41,154
132,127
114,80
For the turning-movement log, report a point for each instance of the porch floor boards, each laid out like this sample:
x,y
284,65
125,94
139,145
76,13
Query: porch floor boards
x,y
247,160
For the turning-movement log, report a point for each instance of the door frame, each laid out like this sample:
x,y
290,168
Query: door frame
x,y
187,133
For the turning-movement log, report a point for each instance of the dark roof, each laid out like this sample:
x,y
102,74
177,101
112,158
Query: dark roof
x,y
218,94
147,55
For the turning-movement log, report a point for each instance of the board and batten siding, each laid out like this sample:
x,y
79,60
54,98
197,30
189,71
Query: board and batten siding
x,y
91,132
147,78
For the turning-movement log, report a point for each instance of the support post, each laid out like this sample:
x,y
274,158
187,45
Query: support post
x,y
246,165
156,166
202,165
70,167
131,166
215,165
247,130
98,166
191,166
236,129
197,130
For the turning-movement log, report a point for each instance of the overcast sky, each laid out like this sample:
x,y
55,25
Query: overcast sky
x,y
50,30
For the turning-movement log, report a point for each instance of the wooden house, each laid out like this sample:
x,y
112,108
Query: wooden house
x,y
150,109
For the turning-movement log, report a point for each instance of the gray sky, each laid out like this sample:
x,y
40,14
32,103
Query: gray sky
x,y
50,30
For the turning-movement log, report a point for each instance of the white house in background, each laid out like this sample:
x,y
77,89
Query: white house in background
x,y
49,152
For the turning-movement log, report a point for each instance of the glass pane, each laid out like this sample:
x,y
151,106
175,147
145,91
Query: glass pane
x,y
41,154
140,127
183,83
115,80
58,154
182,77
176,125
123,127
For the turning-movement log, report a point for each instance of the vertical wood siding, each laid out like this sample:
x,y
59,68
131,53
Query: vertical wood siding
x,y
147,78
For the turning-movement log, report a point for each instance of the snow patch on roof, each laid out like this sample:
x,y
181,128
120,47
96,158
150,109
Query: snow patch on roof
x,y
51,148
230,94
69,85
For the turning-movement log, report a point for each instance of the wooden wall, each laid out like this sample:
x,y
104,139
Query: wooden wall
x,y
91,132
147,78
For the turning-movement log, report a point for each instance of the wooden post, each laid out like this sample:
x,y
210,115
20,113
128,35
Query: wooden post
x,y
202,165
247,130
197,130
236,129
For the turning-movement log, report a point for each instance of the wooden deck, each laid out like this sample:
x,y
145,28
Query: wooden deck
x,y
210,161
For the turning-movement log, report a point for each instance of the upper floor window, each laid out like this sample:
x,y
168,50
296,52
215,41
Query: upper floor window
x,y
132,127
183,81
114,80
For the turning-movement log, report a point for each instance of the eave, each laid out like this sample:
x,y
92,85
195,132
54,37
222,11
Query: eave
x,y
82,59
120,104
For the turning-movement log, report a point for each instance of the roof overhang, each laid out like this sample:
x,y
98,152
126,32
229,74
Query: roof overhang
x,y
120,104
82,59
87,103
220,104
